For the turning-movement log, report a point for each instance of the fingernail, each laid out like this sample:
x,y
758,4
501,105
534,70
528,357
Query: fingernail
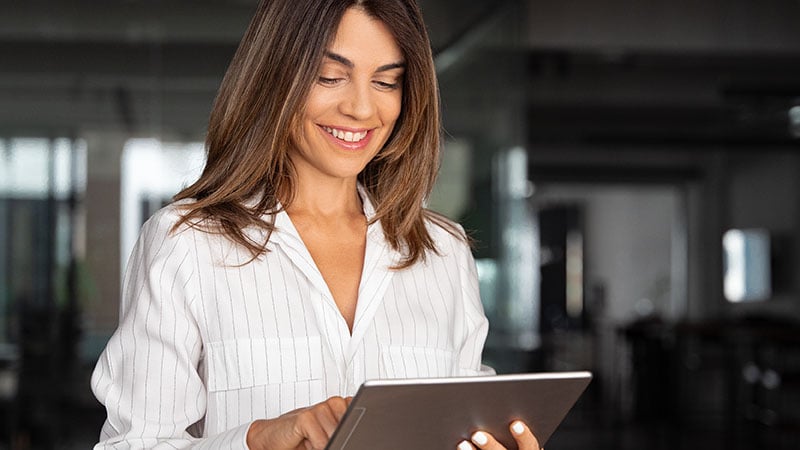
x,y
464,445
480,438
517,427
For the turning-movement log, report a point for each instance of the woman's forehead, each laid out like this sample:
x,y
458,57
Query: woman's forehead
x,y
361,38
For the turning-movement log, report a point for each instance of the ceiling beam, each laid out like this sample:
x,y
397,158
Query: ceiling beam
x,y
129,21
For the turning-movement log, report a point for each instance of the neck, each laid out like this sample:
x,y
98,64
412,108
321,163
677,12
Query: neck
x,y
326,198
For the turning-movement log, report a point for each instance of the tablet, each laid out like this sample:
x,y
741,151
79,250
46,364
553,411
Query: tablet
x,y
438,413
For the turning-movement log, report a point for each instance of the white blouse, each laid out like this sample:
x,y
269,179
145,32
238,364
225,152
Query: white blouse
x,y
207,342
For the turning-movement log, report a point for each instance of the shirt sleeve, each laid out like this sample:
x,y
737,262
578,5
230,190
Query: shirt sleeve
x,y
475,325
147,377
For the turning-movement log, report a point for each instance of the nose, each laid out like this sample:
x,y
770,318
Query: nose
x,y
358,102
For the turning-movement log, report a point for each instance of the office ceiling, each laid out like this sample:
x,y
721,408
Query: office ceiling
x,y
711,70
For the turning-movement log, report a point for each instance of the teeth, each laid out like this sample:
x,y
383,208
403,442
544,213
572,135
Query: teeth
x,y
347,136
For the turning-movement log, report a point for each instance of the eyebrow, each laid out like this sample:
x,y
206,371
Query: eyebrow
x,y
346,62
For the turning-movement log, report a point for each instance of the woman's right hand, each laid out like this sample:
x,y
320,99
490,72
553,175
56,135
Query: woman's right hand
x,y
302,429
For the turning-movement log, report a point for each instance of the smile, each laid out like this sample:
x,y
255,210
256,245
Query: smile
x,y
347,136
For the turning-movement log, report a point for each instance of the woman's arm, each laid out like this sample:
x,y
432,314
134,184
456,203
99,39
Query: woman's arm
x,y
147,377
474,326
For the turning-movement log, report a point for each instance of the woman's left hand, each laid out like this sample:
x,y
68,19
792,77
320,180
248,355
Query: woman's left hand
x,y
485,441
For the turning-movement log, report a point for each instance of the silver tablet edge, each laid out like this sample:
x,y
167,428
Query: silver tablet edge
x,y
482,378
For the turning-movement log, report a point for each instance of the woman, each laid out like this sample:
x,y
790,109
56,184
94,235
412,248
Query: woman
x,y
302,262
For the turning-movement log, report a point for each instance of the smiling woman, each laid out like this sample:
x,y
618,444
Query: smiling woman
x,y
302,262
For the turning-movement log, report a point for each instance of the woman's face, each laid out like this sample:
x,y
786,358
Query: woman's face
x,y
354,104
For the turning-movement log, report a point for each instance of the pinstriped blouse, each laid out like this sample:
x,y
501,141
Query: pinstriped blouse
x,y
206,345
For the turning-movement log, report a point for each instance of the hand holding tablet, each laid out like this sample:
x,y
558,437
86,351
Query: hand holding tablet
x,y
485,441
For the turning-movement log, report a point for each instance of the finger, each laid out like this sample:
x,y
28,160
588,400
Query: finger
x,y
523,435
322,420
282,432
326,418
485,441
465,445
338,406
309,426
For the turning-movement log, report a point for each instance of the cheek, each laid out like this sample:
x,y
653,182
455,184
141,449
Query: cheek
x,y
302,132
392,108
316,104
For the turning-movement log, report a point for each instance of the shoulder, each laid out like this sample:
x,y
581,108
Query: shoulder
x,y
168,225
203,237
448,236
165,220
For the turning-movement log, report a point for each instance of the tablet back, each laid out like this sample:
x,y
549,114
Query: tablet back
x,y
438,413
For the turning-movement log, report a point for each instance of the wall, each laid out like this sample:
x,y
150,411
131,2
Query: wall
x,y
628,244
764,192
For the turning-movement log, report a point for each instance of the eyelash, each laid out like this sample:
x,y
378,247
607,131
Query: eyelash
x,y
388,86
328,81
381,84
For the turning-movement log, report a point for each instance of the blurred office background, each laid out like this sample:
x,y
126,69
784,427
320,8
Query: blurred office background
x,y
629,170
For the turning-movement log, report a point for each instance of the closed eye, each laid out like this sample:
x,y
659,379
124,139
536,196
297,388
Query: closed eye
x,y
329,81
383,85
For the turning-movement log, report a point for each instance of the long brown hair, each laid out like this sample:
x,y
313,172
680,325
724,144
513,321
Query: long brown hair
x,y
248,172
